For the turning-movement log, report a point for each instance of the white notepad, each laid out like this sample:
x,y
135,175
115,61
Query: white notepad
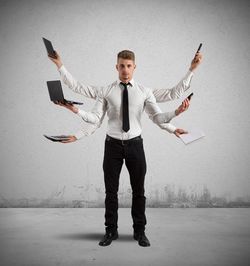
x,y
192,135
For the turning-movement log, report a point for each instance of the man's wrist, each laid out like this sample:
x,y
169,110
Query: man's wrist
x,y
192,69
59,65
75,110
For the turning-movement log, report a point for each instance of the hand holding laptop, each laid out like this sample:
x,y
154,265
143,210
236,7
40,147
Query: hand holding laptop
x,y
68,106
56,93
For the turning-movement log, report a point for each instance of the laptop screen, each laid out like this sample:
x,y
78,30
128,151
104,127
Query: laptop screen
x,y
55,90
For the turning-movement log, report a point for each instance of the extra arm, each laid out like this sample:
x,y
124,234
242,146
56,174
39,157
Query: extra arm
x,y
96,115
163,119
88,129
155,114
88,91
164,95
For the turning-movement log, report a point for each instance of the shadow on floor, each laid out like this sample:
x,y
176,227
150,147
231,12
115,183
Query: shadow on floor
x,y
94,236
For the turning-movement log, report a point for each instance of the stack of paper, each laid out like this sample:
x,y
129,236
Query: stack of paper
x,y
192,135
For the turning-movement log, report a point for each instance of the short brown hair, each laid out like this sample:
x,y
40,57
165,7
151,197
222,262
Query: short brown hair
x,y
126,54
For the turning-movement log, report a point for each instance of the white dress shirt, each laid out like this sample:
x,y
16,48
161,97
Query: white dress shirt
x,y
109,99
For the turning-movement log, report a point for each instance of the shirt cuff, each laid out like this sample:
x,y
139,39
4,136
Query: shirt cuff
x,y
171,128
80,134
62,70
81,113
189,76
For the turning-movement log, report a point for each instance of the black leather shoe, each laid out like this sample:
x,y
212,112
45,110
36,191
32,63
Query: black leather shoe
x,y
142,239
108,237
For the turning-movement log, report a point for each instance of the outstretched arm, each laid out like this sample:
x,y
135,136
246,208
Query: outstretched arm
x,y
155,114
166,125
166,117
95,115
85,131
163,95
88,129
88,91
172,129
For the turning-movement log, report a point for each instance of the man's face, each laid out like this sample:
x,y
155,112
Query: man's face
x,y
126,68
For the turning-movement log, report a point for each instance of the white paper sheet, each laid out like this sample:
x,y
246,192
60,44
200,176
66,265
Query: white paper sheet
x,y
192,135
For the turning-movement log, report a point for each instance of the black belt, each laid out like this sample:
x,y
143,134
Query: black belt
x,y
123,142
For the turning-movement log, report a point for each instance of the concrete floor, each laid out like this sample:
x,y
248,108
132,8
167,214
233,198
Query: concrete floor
x,y
178,237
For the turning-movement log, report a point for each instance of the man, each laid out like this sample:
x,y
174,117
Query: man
x,y
124,100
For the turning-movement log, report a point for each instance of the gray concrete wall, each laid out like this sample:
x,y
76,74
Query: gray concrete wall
x,y
88,35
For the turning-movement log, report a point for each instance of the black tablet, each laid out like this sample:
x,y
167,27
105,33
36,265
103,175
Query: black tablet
x,y
50,50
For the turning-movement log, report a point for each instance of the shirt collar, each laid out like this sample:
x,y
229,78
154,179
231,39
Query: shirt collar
x,y
132,82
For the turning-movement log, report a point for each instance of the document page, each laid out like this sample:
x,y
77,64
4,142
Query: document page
x,y
192,135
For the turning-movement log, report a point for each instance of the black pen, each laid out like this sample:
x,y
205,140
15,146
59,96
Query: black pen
x,y
199,48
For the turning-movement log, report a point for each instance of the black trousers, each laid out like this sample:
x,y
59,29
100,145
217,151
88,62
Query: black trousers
x,y
133,153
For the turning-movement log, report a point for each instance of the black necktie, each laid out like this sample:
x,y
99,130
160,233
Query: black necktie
x,y
125,115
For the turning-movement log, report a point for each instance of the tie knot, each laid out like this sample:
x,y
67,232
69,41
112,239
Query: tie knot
x,y
125,84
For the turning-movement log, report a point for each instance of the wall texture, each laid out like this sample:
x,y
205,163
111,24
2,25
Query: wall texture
x,y
88,35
